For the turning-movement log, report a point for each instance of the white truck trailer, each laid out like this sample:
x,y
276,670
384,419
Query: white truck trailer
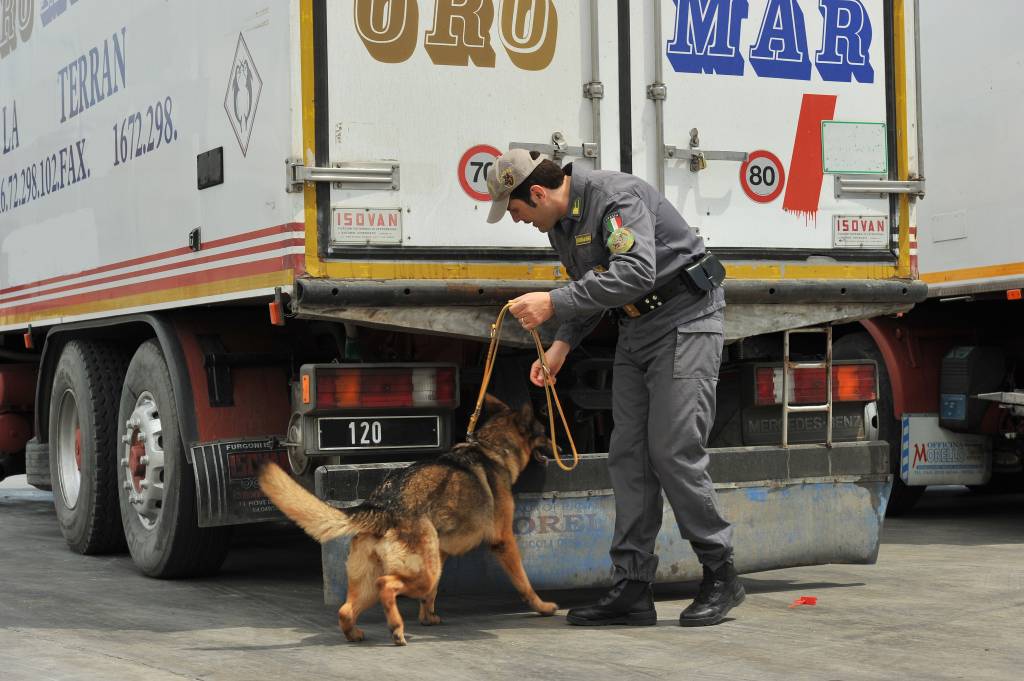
x,y
951,369
234,232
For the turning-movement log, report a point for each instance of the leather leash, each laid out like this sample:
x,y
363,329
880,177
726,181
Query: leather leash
x,y
549,391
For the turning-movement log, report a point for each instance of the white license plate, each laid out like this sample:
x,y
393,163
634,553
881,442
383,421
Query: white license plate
x,y
380,432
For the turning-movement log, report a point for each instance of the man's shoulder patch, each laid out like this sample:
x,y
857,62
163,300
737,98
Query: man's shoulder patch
x,y
620,240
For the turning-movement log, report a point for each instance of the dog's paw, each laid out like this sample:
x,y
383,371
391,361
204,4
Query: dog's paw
x,y
430,620
399,638
546,608
355,635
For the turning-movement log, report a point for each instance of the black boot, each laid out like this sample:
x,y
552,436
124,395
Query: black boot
x,y
719,593
628,602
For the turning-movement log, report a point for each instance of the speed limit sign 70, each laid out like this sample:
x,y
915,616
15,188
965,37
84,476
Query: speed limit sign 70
x,y
473,170
762,176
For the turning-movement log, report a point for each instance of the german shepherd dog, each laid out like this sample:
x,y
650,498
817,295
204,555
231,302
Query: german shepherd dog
x,y
419,516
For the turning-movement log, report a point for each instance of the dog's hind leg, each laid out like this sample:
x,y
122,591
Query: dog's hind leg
x,y
362,570
388,588
507,552
428,613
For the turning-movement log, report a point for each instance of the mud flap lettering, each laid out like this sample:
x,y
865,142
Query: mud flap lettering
x,y
227,491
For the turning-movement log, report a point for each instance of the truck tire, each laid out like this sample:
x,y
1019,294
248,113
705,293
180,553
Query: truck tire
x,y
37,465
83,432
861,346
156,486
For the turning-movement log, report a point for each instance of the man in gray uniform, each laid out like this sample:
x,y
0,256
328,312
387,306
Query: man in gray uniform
x,y
630,252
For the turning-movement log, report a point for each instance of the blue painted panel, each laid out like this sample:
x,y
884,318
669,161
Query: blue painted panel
x,y
564,541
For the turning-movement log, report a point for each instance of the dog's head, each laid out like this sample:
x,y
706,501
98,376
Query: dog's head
x,y
516,430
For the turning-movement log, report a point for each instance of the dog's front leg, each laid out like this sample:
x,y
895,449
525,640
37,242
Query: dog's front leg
x,y
506,550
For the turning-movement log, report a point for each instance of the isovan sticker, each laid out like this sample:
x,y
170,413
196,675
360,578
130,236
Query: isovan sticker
x,y
860,231
366,226
932,455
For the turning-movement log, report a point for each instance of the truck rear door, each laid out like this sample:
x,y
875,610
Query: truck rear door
x,y
798,88
422,97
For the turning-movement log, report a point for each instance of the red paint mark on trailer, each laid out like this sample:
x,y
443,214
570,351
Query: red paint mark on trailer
x,y
805,170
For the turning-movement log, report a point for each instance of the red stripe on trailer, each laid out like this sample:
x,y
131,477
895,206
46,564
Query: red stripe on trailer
x,y
805,169
297,227
251,250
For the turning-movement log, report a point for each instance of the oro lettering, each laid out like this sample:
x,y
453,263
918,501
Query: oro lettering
x,y
460,31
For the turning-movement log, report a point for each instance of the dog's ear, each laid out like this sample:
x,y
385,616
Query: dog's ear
x,y
526,413
493,405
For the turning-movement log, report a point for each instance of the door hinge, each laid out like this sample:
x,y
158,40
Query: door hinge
x,y
657,91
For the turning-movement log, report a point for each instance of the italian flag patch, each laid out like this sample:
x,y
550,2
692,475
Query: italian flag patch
x,y
613,222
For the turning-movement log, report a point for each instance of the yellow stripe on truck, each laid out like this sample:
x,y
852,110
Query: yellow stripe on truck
x,y
967,273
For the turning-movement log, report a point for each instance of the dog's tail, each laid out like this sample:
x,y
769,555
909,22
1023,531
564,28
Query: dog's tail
x,y
320,521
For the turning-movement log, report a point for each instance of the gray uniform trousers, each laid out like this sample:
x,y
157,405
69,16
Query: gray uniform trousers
x,y
663,406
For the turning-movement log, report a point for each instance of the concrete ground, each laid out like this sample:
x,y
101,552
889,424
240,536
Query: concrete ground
x,y
945,601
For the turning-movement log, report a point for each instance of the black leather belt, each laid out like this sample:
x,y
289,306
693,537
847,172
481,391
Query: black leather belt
x,y
703,275
652,300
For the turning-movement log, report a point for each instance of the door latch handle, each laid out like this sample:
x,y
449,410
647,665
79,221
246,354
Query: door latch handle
x,y
558,148
699,157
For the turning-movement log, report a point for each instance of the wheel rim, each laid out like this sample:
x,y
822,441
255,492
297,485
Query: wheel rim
x,y
142,461
69,449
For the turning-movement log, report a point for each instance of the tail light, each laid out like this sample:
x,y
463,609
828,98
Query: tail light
x,y
385,387
850,383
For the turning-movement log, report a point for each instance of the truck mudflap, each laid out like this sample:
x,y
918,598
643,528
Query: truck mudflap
x,y
805,505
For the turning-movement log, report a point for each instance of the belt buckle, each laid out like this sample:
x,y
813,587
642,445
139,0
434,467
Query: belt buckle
x,y
631,311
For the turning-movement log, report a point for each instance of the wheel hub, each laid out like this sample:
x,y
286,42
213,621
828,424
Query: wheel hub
x,y
69,449
142,461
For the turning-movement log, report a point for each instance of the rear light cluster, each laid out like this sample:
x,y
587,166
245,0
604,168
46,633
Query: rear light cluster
x,y
383,387
850,383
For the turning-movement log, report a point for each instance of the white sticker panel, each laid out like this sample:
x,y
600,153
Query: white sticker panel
x,y
932,455
853,148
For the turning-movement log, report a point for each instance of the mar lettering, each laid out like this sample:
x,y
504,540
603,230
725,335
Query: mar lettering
x,y
707,34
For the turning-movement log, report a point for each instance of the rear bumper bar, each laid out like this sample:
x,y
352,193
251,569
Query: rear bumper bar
x,y
806,505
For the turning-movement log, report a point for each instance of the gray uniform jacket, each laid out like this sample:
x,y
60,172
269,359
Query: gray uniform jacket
x,y
601,280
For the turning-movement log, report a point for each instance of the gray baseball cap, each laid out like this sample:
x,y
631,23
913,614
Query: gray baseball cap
x,y
504,175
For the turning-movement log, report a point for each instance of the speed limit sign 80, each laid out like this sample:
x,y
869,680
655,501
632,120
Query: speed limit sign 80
x,y
762,176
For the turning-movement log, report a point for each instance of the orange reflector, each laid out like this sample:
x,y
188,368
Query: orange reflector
x,y
305,389
29,344
1013,294
276,313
